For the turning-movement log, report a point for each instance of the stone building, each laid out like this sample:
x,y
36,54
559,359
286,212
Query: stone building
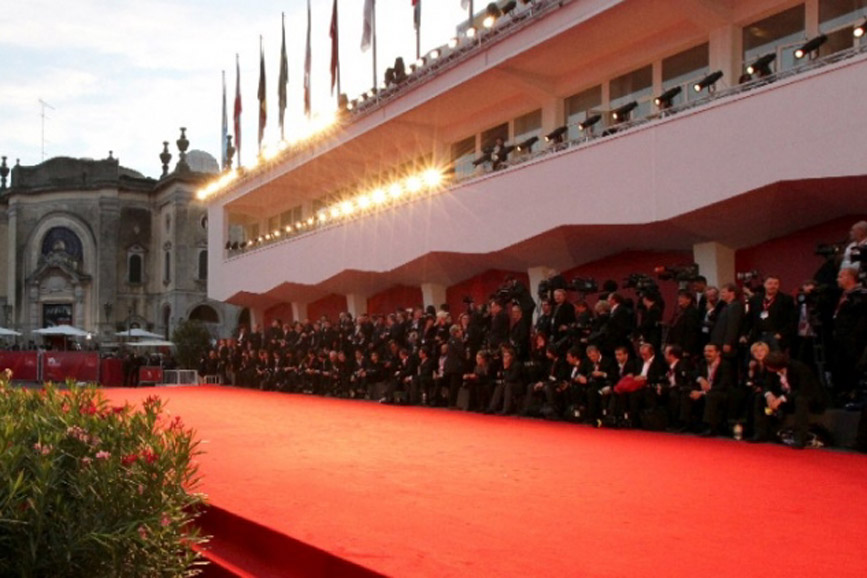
x,y
100,246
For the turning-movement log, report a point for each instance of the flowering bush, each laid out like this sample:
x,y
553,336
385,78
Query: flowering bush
x,y
87,489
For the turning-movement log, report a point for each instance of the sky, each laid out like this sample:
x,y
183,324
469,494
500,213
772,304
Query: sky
x,y
124,75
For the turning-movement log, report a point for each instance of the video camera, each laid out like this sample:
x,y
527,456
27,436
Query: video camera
x,y
829,250
686,273
585,285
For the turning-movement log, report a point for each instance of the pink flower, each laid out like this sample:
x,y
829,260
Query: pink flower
x,y
129,459
140,489
86,461
165,520
142,532
103,455
42,449
149,456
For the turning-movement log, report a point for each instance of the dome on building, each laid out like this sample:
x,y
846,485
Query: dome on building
x,y
202,162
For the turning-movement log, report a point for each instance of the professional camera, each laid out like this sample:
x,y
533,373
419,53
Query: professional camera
x,y
686,273
640,282
829,250
584,285
468,300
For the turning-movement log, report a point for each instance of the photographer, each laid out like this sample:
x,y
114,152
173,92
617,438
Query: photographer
x,y
562,316
771,317
850,332
650,327
519,333
685,327
856,251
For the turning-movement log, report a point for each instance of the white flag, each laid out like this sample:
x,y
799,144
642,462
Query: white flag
x,y
367,31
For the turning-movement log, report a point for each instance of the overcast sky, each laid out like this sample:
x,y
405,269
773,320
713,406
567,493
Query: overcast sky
x,y
124,75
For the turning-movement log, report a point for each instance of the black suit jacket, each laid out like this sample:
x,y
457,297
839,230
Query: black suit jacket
x,y
685,330
723,380
781,318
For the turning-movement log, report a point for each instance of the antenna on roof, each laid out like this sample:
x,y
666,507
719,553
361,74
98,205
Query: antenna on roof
x,y
42,114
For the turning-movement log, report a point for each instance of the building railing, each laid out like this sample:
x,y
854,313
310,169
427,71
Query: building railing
x,y
313,225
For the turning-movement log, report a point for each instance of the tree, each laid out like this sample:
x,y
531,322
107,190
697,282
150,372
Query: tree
x,y
192,341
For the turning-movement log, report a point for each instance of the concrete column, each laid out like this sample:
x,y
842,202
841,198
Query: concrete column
x,y
433,294
726,49
715,261
553,115
356,304
299,311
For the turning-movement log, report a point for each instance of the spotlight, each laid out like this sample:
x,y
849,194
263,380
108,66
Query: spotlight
x,y
322,216
414,184
589,122
556,135
708,81
810,46
378,196
395,191
434,54
276,234
471,32
762,66
352,104
453,43
310,221
420,62
621,113
432,177
527,145
493,12
363,201
858,31
665,99
347,208
334,212
288,228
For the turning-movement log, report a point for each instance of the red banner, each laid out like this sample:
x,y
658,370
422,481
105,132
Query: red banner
x,y
150,374
111,372
58,366
24,364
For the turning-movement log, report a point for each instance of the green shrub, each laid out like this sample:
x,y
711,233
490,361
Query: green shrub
x,y
87,489
192,341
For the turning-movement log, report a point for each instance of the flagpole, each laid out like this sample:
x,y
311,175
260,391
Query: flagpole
x,y
471,13
417,18
373,25
337,19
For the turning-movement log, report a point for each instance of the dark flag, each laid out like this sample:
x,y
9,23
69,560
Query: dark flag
x,y
283,80
307,59
237,116
224,132
335,55
263,100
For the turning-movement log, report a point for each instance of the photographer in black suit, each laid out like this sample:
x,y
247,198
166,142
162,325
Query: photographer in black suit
x,y
795,391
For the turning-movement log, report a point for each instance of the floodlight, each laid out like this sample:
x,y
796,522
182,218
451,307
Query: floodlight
x,y
810,46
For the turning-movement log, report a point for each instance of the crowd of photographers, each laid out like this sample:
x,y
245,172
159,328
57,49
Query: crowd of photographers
x,y
733,360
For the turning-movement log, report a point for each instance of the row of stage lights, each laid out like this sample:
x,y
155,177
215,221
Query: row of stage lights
x,y
311,132
427,181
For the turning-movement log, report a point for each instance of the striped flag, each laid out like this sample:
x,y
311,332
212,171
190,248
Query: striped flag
x,y
416,14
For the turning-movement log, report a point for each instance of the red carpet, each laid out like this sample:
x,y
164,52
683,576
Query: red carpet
x,y
420,492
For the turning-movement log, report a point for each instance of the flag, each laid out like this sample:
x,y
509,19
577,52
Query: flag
x,y
416,14
263,101
307,58
237,116
335,56
224,133
367,30
283,80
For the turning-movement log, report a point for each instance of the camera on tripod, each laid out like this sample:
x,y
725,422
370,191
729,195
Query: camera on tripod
x,y
585,285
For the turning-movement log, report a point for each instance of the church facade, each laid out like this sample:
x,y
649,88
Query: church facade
x,y
96,245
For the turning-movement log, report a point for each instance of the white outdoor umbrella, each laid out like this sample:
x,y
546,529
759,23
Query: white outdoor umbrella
x,y
62,331
152,343
138,333
8,332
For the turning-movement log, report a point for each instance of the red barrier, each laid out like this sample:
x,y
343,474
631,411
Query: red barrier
x,y
58,366
24,364
150,374
111,372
